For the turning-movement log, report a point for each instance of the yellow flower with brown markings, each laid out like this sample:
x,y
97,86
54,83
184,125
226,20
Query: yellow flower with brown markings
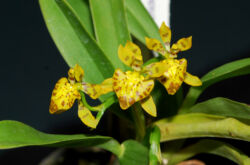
x,y
132,86
65,93
175,70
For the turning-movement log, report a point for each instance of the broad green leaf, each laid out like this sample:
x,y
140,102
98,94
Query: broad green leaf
x,y
133,153
75,44
223,107
165,101
232,69
211,147
15,134
112,146
129,152
140,23
82,10
202,125
110,27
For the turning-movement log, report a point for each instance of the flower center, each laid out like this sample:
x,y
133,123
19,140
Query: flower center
x,y
130,84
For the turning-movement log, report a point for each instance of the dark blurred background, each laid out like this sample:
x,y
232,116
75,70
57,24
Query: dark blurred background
x,y
31,64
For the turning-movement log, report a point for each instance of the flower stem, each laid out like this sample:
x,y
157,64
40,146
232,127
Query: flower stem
x,y
139,121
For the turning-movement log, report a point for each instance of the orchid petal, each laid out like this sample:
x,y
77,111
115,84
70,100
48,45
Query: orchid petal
x,y
156,69
96,90
130,55
130,87
155,45
165,34
86,116
63,96
182,45
192,80
174,76
79,73
149,106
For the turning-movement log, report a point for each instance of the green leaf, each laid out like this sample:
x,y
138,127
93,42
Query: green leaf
x,y
82,11
223,107
15,134
202,125
140,23
110,27
74,42
129,152
232,69
133,153
165,101
211,147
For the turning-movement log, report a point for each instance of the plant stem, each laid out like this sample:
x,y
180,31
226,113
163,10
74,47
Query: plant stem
x,y
155,150
139,121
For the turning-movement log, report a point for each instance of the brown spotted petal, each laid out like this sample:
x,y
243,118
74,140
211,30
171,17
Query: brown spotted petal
x,y
63,96
155,70
96,90
155,45
174,76
165,34
131,87
86,116
75,74
130,55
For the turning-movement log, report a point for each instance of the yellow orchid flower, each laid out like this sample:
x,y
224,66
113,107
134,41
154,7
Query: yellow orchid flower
x,y
175,70
132,86
65,93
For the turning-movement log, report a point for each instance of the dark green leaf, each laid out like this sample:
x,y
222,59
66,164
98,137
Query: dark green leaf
x,y
211,147
73,41
167,105
110,27
232,69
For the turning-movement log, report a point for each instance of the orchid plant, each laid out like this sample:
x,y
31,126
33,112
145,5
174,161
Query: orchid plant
x,y
102,42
